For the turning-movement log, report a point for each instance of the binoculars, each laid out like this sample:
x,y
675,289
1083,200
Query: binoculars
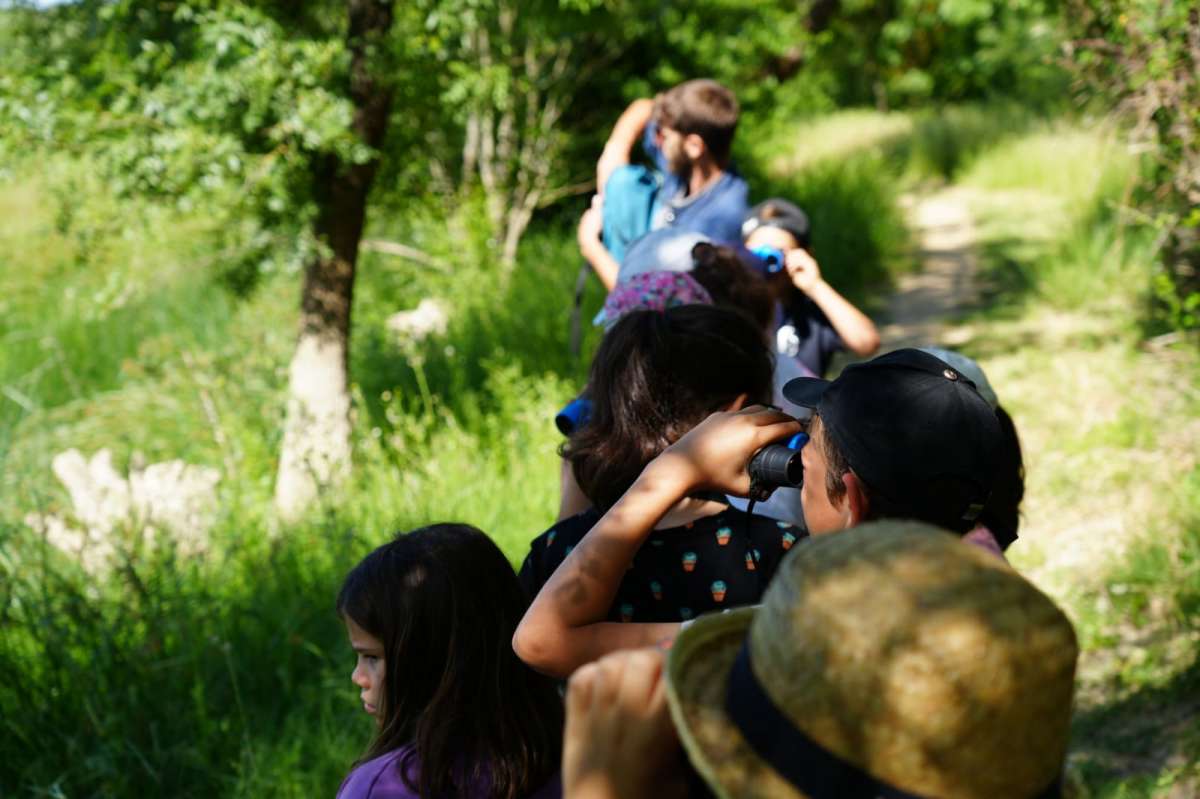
x,y
773,260
776,465
574,416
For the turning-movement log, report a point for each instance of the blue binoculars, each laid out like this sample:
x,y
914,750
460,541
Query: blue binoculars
x,y
574,416
772,259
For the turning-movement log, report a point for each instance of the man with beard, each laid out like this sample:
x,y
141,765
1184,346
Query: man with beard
x,y
692,189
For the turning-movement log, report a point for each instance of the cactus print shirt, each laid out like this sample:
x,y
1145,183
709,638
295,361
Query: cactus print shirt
x,y
716,562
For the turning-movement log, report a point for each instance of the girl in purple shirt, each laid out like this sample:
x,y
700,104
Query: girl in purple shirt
x,y
431,617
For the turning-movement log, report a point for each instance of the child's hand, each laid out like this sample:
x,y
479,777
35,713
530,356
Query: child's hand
x,y
803,269
618,740
715,452
591,224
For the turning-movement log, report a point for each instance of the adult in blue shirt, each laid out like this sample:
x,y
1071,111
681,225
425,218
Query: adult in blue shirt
x,y
687,132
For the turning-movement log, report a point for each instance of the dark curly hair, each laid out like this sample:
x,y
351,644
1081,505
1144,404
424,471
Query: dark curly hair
x,y
731,283
656,375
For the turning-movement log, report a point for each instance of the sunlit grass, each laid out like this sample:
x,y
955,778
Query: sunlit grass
x,y
837,137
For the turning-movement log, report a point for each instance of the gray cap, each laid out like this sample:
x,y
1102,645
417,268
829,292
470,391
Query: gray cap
x,y
664,250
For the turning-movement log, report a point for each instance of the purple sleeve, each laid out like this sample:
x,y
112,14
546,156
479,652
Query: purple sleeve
x,y
378,779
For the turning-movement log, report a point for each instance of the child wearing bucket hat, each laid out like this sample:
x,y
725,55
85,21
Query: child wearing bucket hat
x,y
891,660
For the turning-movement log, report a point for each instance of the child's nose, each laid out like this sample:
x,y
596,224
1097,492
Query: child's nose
x,y
358,677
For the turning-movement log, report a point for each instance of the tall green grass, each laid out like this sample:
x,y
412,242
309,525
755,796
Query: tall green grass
x,y
1052,210
227,674
937,143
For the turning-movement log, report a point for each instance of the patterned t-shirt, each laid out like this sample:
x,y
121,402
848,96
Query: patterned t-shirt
x,y
716,562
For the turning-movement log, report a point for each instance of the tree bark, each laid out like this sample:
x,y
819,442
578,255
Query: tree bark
x,y
316,441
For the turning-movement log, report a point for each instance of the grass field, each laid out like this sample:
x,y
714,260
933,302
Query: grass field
x,y
226,674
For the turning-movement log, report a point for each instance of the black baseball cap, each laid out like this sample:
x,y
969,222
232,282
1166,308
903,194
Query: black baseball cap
x,y
781,214
914,430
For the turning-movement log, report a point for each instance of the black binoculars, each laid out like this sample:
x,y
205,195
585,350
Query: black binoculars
x,y
776,465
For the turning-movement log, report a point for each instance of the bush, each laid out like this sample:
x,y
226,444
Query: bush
x,y
1143,55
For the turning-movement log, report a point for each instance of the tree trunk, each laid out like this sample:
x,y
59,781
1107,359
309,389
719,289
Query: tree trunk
x,y
316,439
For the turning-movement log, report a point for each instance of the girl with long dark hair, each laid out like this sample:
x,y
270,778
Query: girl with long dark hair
x,y
431,616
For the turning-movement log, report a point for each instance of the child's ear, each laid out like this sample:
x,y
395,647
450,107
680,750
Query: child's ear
x,y
857,504
693,146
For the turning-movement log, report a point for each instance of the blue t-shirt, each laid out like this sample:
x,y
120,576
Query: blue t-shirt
x,y
717,212
638,199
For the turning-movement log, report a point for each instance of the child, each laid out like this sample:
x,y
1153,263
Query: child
x,y
656,375
431,616
714,275
1001,516
814,321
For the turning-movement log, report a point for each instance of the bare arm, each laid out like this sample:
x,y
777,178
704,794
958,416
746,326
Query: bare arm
x,y
624,136
564,627
571,499
619,742
592,248
854,327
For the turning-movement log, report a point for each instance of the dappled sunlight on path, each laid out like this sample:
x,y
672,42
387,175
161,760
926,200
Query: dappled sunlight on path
x,y
919,312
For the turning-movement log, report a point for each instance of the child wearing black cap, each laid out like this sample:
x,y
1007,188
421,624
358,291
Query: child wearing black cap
x,y
813,320
905,436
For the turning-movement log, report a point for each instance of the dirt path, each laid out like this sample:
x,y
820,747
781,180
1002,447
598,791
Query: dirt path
x,y
925,303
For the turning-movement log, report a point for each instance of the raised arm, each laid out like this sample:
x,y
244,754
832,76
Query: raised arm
x,y
592,248
854,327
621,141
564,627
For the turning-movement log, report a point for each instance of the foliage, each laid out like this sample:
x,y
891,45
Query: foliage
x,y
153,154
508,99
225,675
907,52
1061,192
213,106
1109,520
1145,55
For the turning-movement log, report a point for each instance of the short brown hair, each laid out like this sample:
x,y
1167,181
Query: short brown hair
x,y
703,107
836,464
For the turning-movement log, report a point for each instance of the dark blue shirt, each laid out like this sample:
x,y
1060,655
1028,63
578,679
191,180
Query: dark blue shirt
x,y
803,332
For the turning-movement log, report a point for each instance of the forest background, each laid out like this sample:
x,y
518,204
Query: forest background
x,y
168,222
